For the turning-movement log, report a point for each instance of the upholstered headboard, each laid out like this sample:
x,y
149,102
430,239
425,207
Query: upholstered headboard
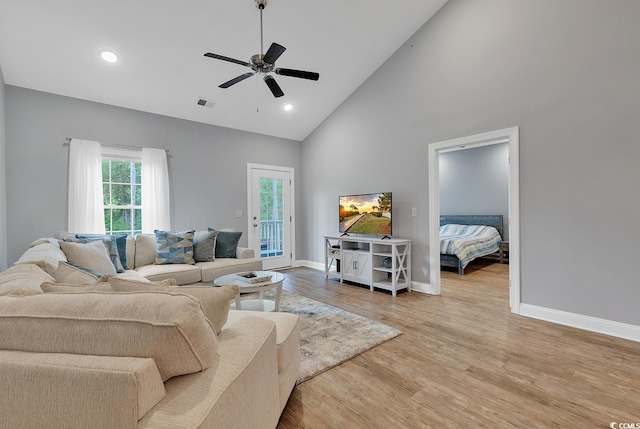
x,y
489,220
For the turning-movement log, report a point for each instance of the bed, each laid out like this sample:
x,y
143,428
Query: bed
x,y
464,238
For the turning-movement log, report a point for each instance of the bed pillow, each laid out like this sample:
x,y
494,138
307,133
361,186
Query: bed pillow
x,y
204,246
227,243
93,255
215,300
174,247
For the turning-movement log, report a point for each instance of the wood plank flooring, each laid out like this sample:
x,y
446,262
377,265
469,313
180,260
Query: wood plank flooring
x,y
464,361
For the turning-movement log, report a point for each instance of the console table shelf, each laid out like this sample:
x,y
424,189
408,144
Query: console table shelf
x,y
377,263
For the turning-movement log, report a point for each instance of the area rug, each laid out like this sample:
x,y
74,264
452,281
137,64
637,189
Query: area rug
x,y
329,335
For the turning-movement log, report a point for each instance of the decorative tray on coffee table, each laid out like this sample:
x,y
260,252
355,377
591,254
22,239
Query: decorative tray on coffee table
x,y
253,276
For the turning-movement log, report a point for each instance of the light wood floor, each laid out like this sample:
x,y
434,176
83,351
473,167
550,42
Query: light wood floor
x,y
464,361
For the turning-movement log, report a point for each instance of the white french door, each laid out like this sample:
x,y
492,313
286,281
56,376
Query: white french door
x,y
270,214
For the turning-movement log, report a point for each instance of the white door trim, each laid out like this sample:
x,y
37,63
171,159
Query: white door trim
x,y
510,136
290,170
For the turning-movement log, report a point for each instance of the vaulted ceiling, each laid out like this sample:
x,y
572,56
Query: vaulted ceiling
x,y
55,46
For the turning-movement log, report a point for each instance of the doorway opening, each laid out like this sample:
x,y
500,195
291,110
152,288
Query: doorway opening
x,y
511,137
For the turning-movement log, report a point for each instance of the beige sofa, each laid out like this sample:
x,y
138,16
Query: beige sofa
x,y
147,359
141,257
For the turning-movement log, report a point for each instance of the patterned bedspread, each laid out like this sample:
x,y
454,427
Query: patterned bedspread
x,y
468,242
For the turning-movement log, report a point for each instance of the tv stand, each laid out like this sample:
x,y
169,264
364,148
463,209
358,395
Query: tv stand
x,y
345,234
383,263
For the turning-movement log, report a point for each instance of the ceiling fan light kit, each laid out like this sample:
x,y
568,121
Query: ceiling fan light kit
x,y
263,64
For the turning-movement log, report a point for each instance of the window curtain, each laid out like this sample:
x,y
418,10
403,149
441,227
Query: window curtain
x,y
86,200
155,191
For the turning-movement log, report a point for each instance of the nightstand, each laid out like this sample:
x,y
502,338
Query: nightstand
x,y
504,252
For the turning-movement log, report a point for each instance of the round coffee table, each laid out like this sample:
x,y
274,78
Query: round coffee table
x,y
260,304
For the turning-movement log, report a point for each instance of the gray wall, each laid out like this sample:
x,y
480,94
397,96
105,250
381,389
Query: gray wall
x,y
476,182
3,202
568,74
208,164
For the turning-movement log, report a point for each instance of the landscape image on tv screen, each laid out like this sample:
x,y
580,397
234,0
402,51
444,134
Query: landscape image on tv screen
x,y
366,214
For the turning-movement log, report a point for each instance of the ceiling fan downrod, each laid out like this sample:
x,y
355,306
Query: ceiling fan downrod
x,y
261,4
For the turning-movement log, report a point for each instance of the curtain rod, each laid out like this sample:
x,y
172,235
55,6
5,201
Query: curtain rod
x,y
111,145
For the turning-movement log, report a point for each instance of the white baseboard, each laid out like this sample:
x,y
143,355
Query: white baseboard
x,y
309,264
594,324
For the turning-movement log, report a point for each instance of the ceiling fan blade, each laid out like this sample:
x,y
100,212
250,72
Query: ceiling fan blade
x,y
273,53
273,86
236,80
298,73
231,60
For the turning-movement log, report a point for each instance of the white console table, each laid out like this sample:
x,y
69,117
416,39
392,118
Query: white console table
x,y
375,262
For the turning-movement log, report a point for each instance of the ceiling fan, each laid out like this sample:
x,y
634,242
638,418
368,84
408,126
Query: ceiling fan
x,y
263,64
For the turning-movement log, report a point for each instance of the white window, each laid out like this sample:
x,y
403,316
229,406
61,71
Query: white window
x,y
122,190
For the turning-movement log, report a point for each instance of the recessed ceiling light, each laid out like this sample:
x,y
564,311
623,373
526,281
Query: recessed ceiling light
x,y
109,56
288,107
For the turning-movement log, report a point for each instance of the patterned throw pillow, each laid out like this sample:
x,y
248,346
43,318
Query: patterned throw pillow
x,y
174,247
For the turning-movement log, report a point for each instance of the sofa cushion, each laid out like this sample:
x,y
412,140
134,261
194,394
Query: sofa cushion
x,y
215,300
23,279
204,246
287,332
183,274
48,287
75,274
227,243
54,390
46,255
145,250
169,328
93,255
174,247
223,266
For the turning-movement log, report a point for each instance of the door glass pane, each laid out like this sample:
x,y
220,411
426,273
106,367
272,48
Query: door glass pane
x,y
271,217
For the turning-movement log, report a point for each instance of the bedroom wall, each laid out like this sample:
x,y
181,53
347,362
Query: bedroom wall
x,y
568,74
3,201
207,164
476,182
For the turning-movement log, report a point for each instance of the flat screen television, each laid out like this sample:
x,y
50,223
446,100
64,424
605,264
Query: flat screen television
x,y
365,214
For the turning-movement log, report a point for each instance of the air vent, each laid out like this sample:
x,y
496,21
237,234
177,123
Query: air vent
x,y
206,103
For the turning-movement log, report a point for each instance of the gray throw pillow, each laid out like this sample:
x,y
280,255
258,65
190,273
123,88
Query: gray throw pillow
x,y
227,243
204,246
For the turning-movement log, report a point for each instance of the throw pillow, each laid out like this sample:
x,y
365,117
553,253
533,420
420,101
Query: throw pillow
x,y
93,255
78,275
23,280
215,300
112,245
174,247
204,246
45,255
227,243
49,287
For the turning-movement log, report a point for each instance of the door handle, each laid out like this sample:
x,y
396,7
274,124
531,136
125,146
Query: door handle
x,y
255,225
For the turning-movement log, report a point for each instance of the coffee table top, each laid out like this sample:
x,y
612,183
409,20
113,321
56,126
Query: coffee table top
x,y
234,279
